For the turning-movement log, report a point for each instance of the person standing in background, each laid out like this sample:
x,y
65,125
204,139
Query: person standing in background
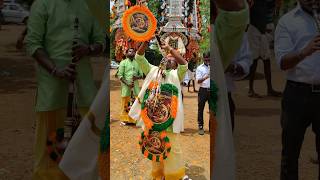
x,y
261,23
203,79
297,46
192,65
129,73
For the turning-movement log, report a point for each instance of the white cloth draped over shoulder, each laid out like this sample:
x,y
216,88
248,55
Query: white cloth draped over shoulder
x,y
171,78
80,159
224,160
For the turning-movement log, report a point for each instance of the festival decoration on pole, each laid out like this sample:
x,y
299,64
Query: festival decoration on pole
x,y
139,23
159,106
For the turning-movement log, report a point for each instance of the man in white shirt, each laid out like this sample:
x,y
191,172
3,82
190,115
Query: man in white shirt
x,y
297,45
203,79
237,70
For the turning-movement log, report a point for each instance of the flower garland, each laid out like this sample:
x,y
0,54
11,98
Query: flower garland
x,y
55,146
154,143
150,23
159,157
173,110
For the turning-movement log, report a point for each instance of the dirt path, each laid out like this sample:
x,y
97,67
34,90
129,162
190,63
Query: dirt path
x,y
258,134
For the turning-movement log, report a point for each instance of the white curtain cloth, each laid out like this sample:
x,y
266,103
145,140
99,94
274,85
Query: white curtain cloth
x,y
224,160
80,159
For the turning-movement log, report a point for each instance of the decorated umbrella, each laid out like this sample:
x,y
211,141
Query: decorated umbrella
x,y
139,23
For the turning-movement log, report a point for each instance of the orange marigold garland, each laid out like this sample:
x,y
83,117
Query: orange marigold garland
x,y
162,102
139,23
55,145
150,123
155,145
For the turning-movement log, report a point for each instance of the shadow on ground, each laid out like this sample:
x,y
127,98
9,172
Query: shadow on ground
x,y
196,172
257,76
191,132
258,112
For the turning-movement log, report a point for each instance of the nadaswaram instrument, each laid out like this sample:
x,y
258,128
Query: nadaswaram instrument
x,y
58,141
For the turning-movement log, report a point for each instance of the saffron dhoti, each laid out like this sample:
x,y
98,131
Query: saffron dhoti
x,y
173,167
124,117
48,122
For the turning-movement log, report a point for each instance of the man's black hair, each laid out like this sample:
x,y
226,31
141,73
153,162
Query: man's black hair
x,y
206,54
129,49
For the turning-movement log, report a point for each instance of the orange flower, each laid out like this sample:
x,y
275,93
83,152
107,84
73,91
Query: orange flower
x,y
152,85
152,23
161,158
174,106
163,134
147,122
146,153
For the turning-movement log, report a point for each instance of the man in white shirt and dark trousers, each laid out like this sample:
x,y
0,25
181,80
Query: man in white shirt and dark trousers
x,y
297,45
203,79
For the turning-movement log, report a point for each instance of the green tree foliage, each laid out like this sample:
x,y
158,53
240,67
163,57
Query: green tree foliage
x,y
205,14
154,8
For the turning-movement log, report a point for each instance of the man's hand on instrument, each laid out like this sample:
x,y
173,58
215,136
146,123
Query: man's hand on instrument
x,y
136,78
68,72
80,51
131,85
